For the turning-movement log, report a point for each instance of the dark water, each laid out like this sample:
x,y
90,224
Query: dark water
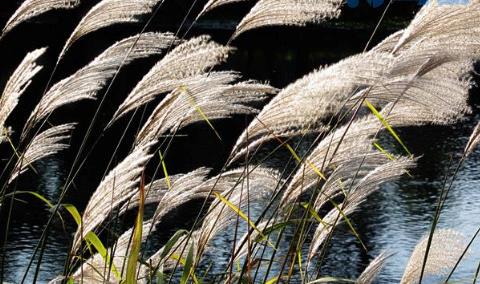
x,y
393,219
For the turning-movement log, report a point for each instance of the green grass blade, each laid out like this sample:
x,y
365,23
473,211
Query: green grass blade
x,y
160,277
183,262
273,280
171,242
349,223
315,214
299,259
188,266
131,275
41,198
383,151
19,156
164,168
200,111
387,126
243,216
388,155
73,212
93,239
270,229
294,154
310,164
166,251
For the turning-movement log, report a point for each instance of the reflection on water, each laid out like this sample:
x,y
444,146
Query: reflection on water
x,y
28,222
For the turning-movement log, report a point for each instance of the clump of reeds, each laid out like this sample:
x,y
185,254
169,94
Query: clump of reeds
x,y
417,76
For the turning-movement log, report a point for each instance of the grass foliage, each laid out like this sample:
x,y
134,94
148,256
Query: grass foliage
x,y
418,76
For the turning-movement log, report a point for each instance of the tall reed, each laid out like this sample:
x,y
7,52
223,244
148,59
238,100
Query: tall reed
x,y
415,77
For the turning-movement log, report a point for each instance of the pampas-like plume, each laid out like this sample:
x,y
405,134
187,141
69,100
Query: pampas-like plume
x,y
304,105
205,97
187,60
413,77
86,82
352,144
355,141
18,83
440,22
372,270
107,13
184,188
92,270
388,43
404,113
439,34
439,92
33,8
44,144
350,170
187,188
421,48
445,249
212,4
356,195
118,186
426,56
5,133
288,12
261,183
473,140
